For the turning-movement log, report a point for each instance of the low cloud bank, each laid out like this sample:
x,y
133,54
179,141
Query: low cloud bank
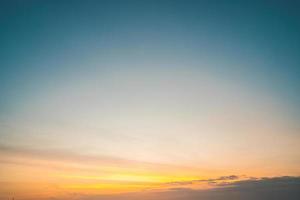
x,y
277,188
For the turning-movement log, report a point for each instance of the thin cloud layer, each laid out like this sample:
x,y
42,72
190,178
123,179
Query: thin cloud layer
x,y
209,181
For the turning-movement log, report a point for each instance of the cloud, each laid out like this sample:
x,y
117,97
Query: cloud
x,y
274,183
11,155
276,188
232,187
209,181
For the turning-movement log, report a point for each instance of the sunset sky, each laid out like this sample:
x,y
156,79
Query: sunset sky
x,y
145,99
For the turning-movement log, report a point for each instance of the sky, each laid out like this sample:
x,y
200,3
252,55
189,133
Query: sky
x,y
149,99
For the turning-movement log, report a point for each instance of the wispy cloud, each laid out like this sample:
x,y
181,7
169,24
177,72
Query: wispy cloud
x,y
210,181
24,155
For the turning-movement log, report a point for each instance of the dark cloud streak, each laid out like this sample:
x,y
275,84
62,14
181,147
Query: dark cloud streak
x,y
222,178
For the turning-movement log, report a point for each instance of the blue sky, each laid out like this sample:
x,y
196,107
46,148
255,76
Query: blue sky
x,y
254,43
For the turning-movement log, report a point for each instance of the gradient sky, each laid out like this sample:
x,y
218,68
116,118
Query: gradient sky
x,y
101,97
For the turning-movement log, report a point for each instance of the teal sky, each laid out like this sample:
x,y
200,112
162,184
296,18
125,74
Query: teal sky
x,y
142,79
44,43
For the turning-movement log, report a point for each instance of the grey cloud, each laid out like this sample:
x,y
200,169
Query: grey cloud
x,y
277,188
